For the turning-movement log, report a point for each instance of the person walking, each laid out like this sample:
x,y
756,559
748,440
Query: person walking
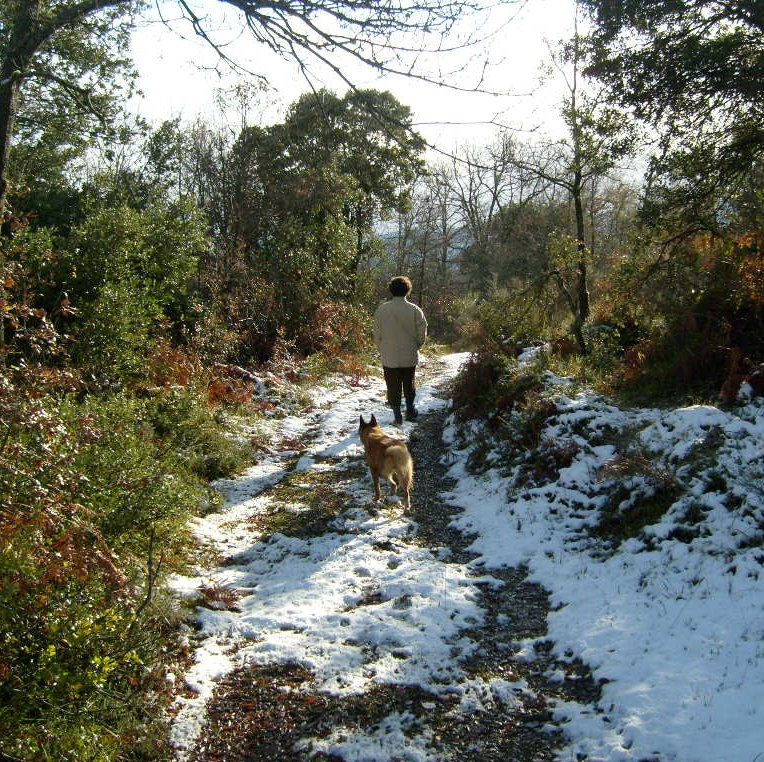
x,y
400,330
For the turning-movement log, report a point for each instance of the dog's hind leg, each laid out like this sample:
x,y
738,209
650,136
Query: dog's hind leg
x,y
402,481
377,490
406,477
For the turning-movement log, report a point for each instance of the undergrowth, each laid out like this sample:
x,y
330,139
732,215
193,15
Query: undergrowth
x,y
307,504
640,493
510,399
514,408
95,495
492,386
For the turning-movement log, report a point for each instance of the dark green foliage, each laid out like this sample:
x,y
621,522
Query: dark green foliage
x,y
186,426
474,391
158,248
524,230
367,136
691,314
695,69
147,462
43,189
638,494
543,464
96,496
103,294
534,409
626,515
124,271
684,360
504,321
690,525
510,399
494,385
292,207
64,77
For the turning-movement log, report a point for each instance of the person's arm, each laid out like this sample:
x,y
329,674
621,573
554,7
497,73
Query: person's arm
x,y
421,328
377,329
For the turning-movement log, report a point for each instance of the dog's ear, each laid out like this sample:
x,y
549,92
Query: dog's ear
x,y
373,421
362,422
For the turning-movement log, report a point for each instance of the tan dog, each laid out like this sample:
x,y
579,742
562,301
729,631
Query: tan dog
x,y
387,457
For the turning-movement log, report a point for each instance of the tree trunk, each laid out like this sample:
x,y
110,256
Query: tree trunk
x,y
9,94
424,247
8,100
25,36
359,244
582,288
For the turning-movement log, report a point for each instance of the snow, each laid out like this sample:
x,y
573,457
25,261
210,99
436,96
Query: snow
x,y
672,625
396,737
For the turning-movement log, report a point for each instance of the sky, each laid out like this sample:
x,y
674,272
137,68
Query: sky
x,y
180,74
670,621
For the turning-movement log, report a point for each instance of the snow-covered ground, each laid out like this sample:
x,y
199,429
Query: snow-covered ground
x,y
673,622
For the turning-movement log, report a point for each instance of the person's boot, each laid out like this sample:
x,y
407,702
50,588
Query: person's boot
x,y
397,415
411,412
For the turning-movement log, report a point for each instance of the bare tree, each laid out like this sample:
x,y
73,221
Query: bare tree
x,y
446,225
597,140
477,182
489,188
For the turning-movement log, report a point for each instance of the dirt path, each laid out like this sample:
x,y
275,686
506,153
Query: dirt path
x,y
267,711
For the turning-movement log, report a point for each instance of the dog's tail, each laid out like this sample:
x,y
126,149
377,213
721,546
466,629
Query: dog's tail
x,y
407,475
404,471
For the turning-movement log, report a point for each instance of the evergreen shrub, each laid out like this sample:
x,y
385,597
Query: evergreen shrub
x,y
95,497
493,385
125,271
96,489
698,308
502,321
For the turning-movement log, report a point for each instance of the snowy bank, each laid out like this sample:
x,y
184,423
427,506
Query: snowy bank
x,y
671,619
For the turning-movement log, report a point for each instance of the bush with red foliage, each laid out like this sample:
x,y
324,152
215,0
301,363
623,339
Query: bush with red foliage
x,y
706,321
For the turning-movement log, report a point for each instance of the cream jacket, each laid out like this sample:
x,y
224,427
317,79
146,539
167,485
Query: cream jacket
x,y
400,330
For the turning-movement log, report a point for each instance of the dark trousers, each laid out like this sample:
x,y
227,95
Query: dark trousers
x,y
400,382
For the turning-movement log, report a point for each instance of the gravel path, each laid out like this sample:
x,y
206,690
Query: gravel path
x,y
258,713
516,611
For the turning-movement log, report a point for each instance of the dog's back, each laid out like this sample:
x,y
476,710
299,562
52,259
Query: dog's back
x,y
387,457
391,456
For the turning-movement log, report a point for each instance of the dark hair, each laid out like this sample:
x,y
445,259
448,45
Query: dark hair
x,y
400,286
